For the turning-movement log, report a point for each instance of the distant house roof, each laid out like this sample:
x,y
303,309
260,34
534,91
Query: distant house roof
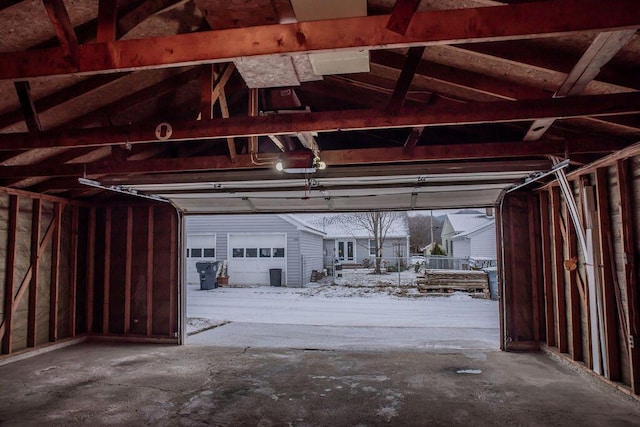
x,y
461,223
337,225
489,222
300,224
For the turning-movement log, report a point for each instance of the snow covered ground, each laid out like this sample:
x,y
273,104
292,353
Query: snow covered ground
x,y
359,311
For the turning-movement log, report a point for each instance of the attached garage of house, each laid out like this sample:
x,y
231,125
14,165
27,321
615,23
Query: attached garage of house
x,y
254,244
122,120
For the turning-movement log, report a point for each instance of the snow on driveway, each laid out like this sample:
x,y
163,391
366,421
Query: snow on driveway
x,y
351,314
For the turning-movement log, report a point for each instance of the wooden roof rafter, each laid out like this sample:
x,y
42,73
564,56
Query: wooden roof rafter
x,y
436,27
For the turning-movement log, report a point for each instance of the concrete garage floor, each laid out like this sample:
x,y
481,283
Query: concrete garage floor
x,y
117,384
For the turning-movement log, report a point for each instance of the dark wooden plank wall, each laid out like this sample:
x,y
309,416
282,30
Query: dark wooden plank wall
x,y
52,270
136,271
522,274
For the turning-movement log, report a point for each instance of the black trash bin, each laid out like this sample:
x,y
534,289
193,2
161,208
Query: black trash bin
x,y
275,274
207,271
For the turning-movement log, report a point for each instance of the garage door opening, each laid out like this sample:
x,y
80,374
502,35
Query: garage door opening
x,y
318,281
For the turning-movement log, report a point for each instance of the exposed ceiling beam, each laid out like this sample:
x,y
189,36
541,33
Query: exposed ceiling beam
x,y
602,50
503,150
401,15
432,115
435,27
64,95
23,89
64,29
107,20
433,168
163,87
476,82
412,61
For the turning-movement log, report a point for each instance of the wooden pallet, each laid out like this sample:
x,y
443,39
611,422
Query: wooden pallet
x,y
449,281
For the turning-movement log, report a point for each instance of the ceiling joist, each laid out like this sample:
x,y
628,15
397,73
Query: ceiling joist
x,y
432,115
436,27
363,156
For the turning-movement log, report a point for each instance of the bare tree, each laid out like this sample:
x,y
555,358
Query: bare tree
x,y
419,232
378,225
421,229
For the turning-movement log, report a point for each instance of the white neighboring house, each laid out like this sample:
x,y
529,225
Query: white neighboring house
x,y
351,244
252,245
470,236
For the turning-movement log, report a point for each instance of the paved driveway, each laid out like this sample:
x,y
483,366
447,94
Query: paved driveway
x,y
330,317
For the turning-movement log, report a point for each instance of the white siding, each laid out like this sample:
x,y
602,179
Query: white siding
x,y
483,243
461,248
221,225
311,254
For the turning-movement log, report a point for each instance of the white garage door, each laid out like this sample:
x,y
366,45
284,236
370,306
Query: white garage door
x,y
252,255
200,248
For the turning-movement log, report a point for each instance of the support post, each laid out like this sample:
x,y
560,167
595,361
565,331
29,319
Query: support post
x,y
35,262
547,267
9,281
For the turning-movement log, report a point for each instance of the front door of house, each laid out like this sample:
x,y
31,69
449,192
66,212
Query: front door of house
x,y
345,250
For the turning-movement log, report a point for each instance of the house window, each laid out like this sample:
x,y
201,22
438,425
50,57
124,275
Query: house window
x,y
265,252
372,247
278,252
209,252
196,253
238,252
252,252
188,253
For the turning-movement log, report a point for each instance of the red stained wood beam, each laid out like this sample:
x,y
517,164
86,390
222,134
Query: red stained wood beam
x,y
401,15
173,275
91,266
558,260
127,270
149,282
602,50
547,267
55,272
107,271
107,20
9,281
35,263
503,150
575,309
28,109
414,57
73,272
544,19
64,29
435,115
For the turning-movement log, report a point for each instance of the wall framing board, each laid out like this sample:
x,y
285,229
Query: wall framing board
x,y
63,273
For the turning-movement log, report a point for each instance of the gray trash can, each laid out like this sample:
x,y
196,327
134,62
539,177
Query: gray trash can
x,y
492,273
275,276
207,271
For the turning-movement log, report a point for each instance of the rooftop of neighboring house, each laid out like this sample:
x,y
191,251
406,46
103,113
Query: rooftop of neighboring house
x,y
490,222
300,224
463,223
342,225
